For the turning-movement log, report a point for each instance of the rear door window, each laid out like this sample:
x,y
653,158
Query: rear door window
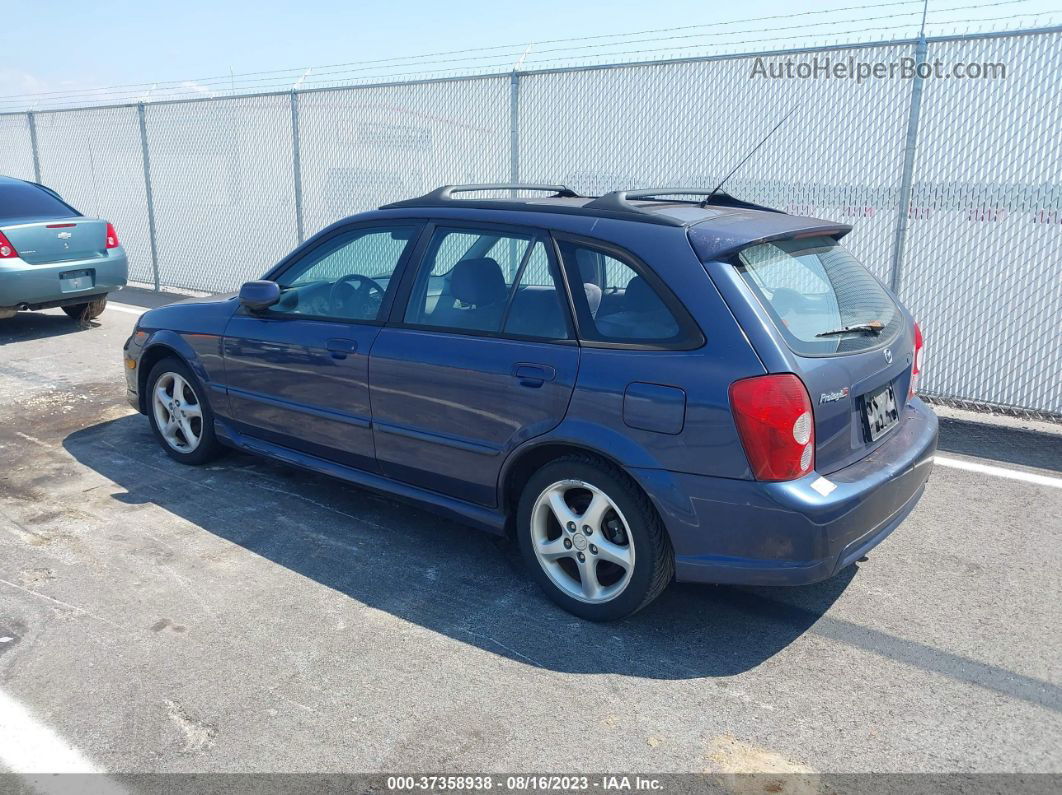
x,y
488,281
21,201
814,289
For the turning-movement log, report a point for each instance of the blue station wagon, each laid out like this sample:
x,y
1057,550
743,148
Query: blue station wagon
x,y
639,387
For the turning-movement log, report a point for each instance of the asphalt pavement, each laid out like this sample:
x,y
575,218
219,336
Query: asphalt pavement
x,y
247,616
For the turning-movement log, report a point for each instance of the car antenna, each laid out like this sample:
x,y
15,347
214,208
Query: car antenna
x,y
755,149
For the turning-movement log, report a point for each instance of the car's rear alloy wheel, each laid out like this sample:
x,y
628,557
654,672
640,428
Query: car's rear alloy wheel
x,y
582,541
592,539
180,416
178,412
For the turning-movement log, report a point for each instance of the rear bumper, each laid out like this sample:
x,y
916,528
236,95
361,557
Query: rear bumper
x,y
38,285
752,533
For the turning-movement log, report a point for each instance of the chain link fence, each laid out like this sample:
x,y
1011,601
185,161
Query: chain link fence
x,y
953,186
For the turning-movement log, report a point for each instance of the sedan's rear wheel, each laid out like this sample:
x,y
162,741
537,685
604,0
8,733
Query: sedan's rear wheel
x,y
87,311
592,539
179,414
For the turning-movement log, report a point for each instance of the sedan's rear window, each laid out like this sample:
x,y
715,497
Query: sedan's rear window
x,y
815,289
21,201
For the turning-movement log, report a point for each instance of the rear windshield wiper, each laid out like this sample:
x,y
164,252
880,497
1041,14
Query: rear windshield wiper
x,y
873,327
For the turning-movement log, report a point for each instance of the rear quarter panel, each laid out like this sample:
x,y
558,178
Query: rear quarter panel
x,y
616,401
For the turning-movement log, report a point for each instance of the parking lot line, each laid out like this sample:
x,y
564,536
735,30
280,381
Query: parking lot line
x,y
131,310
999,472
27,746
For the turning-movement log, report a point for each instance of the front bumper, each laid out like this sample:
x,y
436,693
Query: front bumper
x,y
40,285
131,353
753,533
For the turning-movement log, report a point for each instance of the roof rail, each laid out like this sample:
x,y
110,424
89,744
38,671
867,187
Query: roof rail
x,y
618,204
620,200
445,193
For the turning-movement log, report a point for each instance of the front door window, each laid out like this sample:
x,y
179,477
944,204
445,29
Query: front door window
x,y
347,277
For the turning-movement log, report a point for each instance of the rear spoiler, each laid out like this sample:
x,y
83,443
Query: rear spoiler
x,y
723,237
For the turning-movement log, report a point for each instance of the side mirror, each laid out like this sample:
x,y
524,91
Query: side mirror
x,y
259,295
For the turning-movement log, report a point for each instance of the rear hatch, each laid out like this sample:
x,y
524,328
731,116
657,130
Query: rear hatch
x,y
850,342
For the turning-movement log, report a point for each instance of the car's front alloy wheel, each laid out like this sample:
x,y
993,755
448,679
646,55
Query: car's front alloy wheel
x,y
180,415
178,412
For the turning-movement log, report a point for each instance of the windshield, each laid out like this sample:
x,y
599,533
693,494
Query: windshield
x,y
815,287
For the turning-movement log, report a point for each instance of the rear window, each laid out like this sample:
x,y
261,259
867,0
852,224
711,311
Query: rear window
x,y
22,201
814,288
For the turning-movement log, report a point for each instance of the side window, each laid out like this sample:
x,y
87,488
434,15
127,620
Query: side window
x,y
487,281
537,308
347,277
617,304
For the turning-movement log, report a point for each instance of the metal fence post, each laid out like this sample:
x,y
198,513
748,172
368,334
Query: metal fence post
x,y
906,176
514,127
150,198
32,120
296,161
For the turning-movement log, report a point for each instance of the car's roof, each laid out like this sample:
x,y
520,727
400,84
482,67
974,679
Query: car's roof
x,y
718,225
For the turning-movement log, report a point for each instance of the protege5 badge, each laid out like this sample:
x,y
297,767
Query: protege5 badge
x,y
830,397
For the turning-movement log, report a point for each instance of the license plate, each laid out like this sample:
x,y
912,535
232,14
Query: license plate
x,y
72,281
880,412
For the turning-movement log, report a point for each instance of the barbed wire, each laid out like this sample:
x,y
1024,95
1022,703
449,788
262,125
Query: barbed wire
x,y
512,46
337,75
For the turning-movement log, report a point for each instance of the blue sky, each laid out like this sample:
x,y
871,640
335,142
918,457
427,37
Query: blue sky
x,y
63,46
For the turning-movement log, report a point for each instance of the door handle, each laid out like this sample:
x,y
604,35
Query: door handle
x,y
339,348
533,375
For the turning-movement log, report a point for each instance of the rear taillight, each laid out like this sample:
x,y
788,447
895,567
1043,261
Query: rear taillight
x,y
916,363
777,428
7,251
112,236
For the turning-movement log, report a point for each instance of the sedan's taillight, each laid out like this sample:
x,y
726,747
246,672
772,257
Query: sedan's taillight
x,y
916,365
112,236
7,251
776,424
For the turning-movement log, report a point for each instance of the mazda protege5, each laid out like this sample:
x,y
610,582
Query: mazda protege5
x,y
640,387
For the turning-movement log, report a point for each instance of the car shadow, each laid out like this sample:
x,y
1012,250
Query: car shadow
x,y
441,575
1000,443
26,326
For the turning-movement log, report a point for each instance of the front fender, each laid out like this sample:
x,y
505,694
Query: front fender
x,y
201,352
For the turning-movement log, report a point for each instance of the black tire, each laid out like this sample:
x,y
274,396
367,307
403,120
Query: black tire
x,y
209,447
83,313
654,560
